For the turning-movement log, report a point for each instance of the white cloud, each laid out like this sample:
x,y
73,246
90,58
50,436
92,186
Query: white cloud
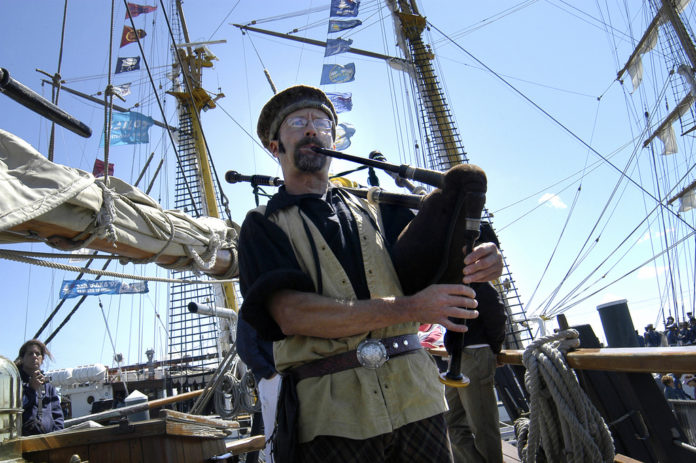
x,y
650,271
552,200
655,235
610,297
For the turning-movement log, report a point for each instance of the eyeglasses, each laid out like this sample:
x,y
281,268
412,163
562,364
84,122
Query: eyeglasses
x,y
300,122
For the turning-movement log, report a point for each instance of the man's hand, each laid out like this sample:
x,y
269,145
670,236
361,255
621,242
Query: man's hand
x,y
437,303
484,263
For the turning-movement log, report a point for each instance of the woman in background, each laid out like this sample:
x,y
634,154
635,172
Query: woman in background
x,y
40,401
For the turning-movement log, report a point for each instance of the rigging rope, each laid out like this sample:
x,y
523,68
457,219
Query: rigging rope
x,y
94,256
564,127
55,90
159,102
113,346
15,256
194,115
562,421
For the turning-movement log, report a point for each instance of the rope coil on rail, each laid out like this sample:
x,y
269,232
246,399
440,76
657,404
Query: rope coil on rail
x,y
563,422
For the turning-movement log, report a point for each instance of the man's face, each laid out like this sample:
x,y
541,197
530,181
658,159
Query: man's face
x,y
295,142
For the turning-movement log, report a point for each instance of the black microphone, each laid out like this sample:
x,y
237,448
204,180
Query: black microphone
x,y
400,181
232,176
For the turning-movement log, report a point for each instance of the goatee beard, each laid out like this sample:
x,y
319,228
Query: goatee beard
x,y
308,162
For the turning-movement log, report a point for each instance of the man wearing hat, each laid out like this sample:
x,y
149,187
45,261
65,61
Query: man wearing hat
x,y
652,337
318,280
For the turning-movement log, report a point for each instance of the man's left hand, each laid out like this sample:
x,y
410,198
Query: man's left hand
x,y
484,263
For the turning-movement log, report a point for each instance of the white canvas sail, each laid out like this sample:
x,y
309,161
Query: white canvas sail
x,y
60,200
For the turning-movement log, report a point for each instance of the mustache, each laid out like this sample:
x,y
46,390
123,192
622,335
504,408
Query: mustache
x,y
304,141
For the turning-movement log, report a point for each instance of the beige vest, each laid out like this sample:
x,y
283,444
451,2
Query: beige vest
x,y
357,403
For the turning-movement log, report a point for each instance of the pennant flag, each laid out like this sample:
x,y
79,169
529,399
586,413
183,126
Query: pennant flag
x,y
122,90
137,10
98,169
131,35
344,131
127,64
76,288
336,46
345,8
337,25
342,101
337,74
129,128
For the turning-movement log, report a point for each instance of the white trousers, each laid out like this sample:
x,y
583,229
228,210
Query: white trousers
x,y
269,389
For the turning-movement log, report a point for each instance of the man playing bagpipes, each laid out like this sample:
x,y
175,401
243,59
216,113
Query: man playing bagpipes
x,y
318,279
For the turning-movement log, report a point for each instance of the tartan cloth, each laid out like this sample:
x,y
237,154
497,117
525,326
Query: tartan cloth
x,y
424,441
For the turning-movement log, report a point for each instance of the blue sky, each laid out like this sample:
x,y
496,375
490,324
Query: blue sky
x,y
556,55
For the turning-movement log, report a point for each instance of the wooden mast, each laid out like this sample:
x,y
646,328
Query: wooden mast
x,y
193,101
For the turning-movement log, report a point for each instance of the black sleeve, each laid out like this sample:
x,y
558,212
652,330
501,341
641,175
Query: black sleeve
x,y
56,411
256,353
395,219
267,264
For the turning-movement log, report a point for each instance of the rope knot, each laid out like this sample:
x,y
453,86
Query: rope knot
x,y
105,216
564,425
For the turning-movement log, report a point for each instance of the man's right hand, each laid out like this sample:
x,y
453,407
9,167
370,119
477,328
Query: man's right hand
x,y
437,303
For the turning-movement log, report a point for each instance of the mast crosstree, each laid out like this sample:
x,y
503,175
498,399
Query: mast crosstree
x,y
190,334
444,145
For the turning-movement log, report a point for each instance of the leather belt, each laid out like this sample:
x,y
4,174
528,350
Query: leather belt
x,y
371,354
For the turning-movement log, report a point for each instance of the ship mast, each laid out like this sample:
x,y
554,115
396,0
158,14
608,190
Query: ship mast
x,y
190,334
443,140
679,54
446,147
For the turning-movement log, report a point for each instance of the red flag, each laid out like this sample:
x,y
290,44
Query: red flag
x,y
136,10
98,169
131,35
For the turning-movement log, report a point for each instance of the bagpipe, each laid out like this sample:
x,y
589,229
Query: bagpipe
x,y
432,247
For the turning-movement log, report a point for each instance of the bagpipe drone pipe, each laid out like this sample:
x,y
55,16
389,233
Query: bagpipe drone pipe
x,y
432,247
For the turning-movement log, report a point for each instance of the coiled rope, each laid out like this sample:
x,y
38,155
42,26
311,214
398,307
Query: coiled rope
x,y
562,421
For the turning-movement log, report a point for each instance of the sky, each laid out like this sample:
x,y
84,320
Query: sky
x,y
531,85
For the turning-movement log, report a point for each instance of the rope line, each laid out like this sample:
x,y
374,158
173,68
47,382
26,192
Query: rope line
x,y
563,423
12,255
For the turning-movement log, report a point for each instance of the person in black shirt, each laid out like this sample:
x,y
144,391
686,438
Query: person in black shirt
x,y
318,280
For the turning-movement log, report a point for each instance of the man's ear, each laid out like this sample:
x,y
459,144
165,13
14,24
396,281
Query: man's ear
x,y
273,147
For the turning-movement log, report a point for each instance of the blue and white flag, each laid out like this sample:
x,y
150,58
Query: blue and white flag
x,y
123,90
338,25
336,46
344,131
127,64
129,128
337,74
76,288
342,101
345,8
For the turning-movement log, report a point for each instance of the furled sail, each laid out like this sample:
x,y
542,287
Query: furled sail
x,y
70,208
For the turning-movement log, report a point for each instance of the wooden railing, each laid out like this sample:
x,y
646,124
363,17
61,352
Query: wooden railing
x,y
630,359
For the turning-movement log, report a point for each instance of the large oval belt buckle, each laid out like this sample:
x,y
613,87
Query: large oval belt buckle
x,y
371,354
